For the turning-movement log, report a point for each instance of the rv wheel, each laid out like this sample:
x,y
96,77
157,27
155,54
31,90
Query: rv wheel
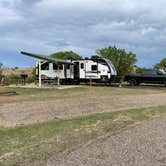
x,y
77,83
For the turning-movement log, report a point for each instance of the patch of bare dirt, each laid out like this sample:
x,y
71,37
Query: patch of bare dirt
x,y
142,145
13,114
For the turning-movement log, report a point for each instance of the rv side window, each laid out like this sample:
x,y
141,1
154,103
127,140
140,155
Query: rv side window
x,y
55,67
45,66
67,66
82,65
94,67
60,67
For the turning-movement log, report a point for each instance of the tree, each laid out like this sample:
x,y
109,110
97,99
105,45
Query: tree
x,y
65,55
1,64
32,78
140,69
161,65
123,61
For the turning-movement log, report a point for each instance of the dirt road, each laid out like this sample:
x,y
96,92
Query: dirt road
x,y
13,114
142,145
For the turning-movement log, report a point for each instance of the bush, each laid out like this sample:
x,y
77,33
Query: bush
x,y
33,77
13,79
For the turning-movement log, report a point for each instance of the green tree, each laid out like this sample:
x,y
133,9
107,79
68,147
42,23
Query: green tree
x,y
1,76
65,55
140,70
161,65
123,61
1,64
32,78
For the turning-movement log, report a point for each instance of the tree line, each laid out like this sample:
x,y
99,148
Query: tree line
x,y
123,61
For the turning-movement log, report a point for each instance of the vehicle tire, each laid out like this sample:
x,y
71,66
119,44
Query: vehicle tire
x,y
133,82
78,83
137,83
165,84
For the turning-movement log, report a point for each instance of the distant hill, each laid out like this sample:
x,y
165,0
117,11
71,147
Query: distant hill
x,y
9,72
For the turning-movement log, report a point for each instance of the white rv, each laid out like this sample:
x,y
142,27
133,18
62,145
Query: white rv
x,y
96,69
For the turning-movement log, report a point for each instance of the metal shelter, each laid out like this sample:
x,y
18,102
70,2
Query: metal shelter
x,y
47,59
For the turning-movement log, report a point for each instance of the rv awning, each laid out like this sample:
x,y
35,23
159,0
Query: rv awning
x,y
47,58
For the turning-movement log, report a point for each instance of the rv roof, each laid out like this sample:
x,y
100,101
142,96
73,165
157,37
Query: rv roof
x,y
47,58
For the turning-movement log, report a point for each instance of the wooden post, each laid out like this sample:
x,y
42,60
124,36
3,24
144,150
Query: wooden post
x,y
90,81
40,82
58,79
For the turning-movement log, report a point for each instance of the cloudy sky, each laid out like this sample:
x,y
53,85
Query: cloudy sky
x,y
47,26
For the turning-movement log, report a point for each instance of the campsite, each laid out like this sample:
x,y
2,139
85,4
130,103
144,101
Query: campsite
x,y
41,126
82,112
82,83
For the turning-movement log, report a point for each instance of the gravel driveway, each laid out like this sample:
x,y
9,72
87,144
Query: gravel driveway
x,y
39,111
142,145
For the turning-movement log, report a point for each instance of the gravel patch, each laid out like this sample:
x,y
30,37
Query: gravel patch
x,y
14,114
142,145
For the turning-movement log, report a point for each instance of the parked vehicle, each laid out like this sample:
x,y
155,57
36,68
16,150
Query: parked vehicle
x,y
153,76
96,69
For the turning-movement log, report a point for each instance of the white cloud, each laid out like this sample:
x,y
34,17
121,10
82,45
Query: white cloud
x,y
83,25
8,16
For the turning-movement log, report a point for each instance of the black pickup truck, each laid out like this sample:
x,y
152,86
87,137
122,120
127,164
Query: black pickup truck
x,y
153,76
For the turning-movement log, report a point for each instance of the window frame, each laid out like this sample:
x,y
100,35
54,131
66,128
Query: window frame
x,y
82,65
46,67
92,67
56,68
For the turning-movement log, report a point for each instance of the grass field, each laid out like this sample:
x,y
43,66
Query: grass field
x,y
34,144
31,94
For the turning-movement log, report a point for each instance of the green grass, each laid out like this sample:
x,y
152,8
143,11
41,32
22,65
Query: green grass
x,y
31,144
28,94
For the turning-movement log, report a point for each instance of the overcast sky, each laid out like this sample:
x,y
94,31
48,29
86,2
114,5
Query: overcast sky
x,y
47,26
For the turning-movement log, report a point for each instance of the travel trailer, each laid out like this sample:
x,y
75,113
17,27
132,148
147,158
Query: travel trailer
x,y
94,69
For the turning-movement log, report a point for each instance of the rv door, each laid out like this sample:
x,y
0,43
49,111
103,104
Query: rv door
x,y
76,71
82,69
